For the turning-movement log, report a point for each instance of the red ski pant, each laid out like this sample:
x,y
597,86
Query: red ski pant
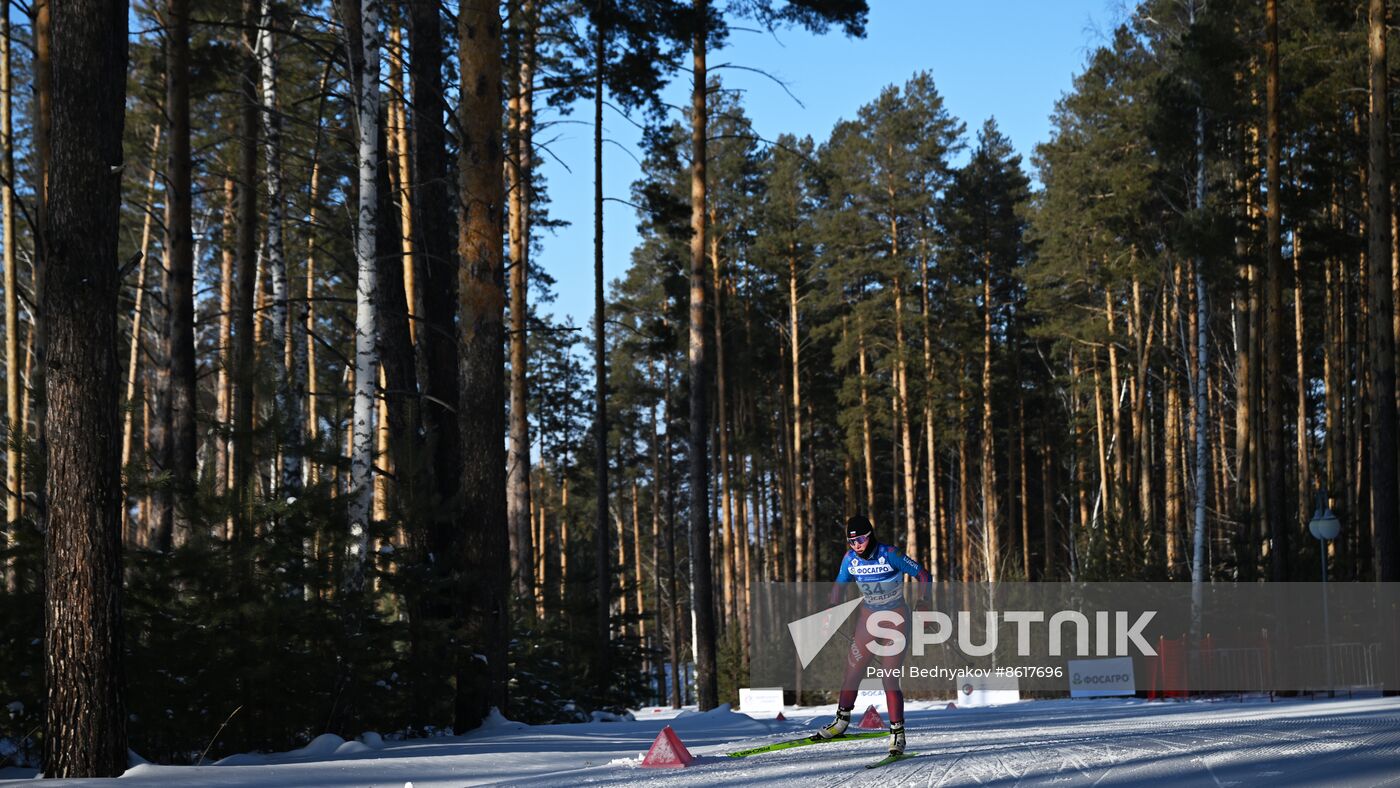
x,y
860,655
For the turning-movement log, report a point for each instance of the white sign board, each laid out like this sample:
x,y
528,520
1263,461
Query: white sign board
x,y
761,700
1091,678
872,693
978,692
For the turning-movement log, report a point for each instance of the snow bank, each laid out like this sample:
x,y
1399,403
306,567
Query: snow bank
x,y
321,746
496,722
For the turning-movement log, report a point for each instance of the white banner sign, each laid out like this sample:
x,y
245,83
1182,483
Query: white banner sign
x,y
976,692
1089,678
761,700
871,693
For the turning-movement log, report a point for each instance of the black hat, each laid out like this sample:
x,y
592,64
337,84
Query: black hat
x,y
858,526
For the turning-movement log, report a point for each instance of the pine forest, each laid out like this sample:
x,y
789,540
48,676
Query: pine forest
x,y
294,441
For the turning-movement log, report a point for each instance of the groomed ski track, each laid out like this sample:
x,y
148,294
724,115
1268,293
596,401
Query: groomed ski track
x,y
1113,742
1092,743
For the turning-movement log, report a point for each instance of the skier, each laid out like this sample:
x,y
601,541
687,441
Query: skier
x,y
877,570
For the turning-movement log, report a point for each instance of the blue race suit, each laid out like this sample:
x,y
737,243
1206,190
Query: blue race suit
x,y
880,578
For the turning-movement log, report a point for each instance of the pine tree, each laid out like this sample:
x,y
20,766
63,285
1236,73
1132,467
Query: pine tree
x,y
79,284
481,684
982,212
1385,509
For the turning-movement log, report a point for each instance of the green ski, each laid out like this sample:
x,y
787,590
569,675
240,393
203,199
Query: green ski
x,y
804,741
889,759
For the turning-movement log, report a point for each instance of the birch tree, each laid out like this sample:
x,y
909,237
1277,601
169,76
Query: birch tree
x,y
288,405
363,30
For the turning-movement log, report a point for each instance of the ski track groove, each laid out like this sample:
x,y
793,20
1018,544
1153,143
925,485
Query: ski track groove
x,y
1225,747
1160,744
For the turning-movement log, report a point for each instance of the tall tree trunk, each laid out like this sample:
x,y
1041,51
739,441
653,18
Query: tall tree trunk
x,y
991,544
673,594
401,175
1100,444
160,514
964,483
1198,559
224,381
384,468
867,446
786,473
288,405
1246,315
301,342
1385,499
519,163
602,679
624,612
14,430
1047,502
811,500
79,285
935,521
432,197
1023,509
42,30
745,558
1332,354
1219,455
525,143
702,596
795,356
179,239
1300,350
1144,333
1079,468
539,503
896,469
1115,438
482,341
637,566
906,431
658,597
726,481
133,348
1278,520
260,293
247,277
401,399
564,530
365,51
1172,432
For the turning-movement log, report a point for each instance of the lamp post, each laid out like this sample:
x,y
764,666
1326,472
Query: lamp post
x,y
1325,526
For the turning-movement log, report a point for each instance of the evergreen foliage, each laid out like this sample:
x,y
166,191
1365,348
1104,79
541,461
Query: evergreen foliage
x,y
998,364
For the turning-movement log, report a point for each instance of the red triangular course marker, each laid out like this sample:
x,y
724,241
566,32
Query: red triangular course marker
x,y
667,750
872,719
951,705
779,718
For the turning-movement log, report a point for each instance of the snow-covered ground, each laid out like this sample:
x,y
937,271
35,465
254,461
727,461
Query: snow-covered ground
x,y
1080,742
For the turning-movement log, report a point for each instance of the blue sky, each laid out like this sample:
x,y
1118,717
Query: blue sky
x,y
1011,59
